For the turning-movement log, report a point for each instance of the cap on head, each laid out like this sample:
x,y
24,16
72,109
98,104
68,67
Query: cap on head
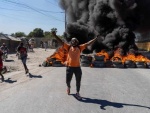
x,y
74,41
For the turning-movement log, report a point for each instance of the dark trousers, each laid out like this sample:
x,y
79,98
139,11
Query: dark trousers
x,y
78,74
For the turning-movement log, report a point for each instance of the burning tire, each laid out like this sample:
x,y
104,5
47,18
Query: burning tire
x,y
129,64
117,64
99,64
140,64
86,61
99,58
108,64
87,58
57,64
148,64
45,64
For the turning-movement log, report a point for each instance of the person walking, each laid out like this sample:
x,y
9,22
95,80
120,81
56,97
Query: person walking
x,y
5,50
23,55
73,61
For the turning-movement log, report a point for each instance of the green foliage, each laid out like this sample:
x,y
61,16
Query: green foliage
x,y
47,34
19,34
30,34
54,29
37,32
13,35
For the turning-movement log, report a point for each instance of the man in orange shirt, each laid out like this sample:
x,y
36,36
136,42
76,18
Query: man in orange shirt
x,y
73,61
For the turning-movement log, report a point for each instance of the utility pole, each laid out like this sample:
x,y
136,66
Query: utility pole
x,y
65,21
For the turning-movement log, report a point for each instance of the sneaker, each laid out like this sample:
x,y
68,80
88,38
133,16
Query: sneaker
x,y
27,71
68,91
3,79
78,96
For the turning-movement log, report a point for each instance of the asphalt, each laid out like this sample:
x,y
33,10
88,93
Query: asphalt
x,y
104,90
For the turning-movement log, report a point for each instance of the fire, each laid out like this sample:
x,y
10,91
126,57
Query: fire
x,y
59,55
129,56
136,58
103,53
117,56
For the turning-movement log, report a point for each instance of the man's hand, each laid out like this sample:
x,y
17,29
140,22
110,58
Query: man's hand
x,y
54,34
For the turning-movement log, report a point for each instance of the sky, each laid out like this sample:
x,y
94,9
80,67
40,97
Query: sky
x,y
26,15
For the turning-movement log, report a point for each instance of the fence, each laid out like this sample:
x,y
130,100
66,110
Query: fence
x,y
51,43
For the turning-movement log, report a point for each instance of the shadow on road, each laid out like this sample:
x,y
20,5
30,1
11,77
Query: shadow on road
x,y
10,81
9,60
105,103
34,76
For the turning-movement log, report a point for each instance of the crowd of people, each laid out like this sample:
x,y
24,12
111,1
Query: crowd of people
x,y
21,52
72,63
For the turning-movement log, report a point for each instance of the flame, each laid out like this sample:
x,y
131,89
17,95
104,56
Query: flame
x,y
59,55
136,58
103,53
117,56
129,56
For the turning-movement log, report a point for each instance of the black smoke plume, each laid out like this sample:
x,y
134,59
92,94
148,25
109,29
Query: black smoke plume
x,y
113,21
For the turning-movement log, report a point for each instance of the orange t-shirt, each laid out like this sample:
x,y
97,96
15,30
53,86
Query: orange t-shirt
x,y
73,58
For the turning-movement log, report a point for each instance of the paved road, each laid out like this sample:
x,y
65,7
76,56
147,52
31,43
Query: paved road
x,y
105,90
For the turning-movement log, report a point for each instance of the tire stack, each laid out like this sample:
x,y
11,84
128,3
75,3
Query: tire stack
x,y
98,61
118,63
148,64
57,64
86,60
108,63
129,64
140,64
46,64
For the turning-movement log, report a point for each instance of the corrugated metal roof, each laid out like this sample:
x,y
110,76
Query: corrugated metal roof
x,y
2,36
13,38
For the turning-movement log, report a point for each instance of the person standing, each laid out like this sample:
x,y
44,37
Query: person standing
x,y
23,55
1,66
45,45
41,44
73,61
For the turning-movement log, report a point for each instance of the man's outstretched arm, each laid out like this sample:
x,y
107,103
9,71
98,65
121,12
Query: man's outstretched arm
x,y
91,41
58,39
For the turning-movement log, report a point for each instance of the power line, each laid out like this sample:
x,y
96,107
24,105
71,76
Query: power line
x,y
12,9
51,3
29,7
23,20
27,11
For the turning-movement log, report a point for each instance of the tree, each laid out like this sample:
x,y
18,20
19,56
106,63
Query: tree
x,y
47,34
37,32
19,34
30,34
12,34
54,29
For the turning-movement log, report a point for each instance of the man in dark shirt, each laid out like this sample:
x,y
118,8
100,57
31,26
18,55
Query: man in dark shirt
x,y
23,55
1,65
